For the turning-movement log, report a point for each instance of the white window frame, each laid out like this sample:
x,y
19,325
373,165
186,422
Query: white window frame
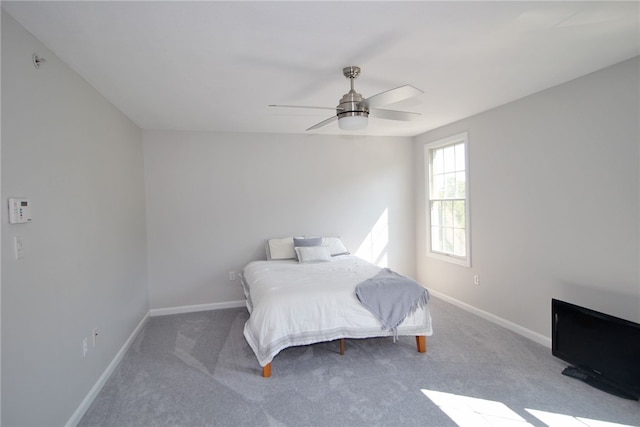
x,y
428,149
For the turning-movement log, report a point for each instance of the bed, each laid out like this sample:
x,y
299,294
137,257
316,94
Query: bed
x,y
305,295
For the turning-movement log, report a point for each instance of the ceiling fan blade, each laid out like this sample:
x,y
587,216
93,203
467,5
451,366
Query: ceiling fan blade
x,y
393,114
301,106
324,122
390,96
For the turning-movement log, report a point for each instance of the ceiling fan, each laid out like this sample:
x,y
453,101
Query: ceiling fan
x,y
353,110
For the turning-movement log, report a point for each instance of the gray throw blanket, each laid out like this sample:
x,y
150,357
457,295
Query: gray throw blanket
x,y
391,297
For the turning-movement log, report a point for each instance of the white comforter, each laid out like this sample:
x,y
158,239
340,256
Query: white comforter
x,y
297,304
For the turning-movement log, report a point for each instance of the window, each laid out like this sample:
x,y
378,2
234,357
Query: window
x,y
447,172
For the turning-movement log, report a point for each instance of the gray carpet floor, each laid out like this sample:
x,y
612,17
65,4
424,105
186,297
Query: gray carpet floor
x,y
196,369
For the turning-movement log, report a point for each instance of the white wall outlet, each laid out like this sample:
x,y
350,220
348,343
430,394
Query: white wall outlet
x,y
85,348
94,334
232,275
476,279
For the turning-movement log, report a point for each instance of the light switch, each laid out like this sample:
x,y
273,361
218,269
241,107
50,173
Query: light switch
x,y
19,247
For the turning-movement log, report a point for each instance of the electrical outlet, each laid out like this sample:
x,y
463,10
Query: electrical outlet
x,y
84,347
476,279
232,275
94,334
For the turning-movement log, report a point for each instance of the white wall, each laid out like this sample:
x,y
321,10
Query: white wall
x,y
555,199
79,160
212,199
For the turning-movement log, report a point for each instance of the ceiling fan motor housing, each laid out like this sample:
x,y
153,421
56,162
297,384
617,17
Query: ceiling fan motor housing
x,y
350,105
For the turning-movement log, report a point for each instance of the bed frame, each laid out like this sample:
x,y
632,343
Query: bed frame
x,y
421,344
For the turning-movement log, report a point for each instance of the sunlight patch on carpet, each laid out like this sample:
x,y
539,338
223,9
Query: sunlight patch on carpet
x,y
562,420
473,412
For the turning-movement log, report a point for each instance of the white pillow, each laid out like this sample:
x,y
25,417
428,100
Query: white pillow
x,y
313,254
336,247
280,248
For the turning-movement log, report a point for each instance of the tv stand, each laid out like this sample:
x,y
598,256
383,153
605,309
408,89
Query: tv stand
x,y
597,382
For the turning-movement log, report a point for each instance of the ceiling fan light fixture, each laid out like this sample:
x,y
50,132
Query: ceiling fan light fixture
x,y
353,121
351,114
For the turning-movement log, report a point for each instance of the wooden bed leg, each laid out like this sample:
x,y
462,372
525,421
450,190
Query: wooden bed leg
x,y
341,346
266,370
421,343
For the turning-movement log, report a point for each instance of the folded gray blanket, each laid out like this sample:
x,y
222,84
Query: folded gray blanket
x,y
391,297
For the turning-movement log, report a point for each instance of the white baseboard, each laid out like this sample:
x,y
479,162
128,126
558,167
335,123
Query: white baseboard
x,y
90,397
534,336
193,308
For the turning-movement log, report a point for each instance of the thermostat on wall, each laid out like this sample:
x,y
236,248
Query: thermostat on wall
x,y
19,211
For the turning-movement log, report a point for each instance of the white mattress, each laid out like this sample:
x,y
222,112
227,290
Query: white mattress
x,y
298,304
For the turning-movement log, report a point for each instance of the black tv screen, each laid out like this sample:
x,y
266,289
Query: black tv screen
x,y
604,350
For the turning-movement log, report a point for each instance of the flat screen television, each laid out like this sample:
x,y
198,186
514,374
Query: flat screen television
x,y
604,350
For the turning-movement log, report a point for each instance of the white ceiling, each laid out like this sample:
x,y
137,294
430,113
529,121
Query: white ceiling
x,y
215,66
